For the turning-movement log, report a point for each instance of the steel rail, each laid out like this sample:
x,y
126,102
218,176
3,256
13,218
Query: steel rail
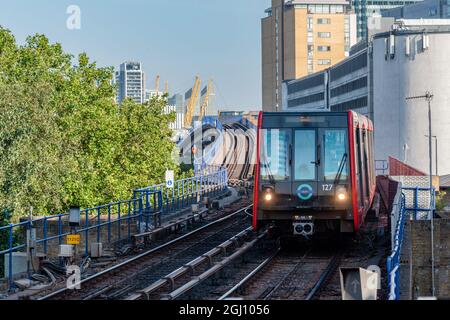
x,y
151,251
249,276
279,284
190,267
323,277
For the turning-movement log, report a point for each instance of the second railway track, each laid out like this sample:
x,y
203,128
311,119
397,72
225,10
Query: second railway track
x,y
286,276
140,271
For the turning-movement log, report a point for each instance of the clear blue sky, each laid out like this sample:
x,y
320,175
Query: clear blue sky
x,y
174,38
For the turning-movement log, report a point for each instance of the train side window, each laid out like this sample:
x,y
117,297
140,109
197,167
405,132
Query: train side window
x,y
274,154
366,162
359,166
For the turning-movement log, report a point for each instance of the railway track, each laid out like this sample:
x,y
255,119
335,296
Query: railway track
x,y
238,155
286,276
208,265
138,272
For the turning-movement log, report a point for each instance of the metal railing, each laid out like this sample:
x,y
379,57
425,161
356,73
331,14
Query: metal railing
x,y
393,261
400,213
207,182
381,167
120,219
420,202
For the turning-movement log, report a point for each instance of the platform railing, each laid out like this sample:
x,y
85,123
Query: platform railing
x,y
113,222
427,205
421,203
381,167
393,261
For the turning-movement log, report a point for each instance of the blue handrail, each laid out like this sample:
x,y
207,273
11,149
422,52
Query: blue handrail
x,y
139,209
393,261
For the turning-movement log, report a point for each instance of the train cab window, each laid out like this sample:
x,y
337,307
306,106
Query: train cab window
x,y
274,154
305,155
335,154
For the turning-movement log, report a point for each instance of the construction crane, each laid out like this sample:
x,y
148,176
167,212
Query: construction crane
x,y
205,103
192,102
166,89
158,78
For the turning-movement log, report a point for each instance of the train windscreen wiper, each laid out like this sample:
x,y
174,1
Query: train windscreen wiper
x,y
337,179
269,173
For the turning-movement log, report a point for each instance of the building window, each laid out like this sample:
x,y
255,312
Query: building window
x,y
310,51
310,24
305,100
324,48
324,62
310,37
349,87
323,21
324,34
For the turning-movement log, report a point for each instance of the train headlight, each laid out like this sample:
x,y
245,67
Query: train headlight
x,y
342,194
268,194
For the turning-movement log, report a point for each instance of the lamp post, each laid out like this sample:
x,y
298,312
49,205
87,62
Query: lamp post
x,y
428,96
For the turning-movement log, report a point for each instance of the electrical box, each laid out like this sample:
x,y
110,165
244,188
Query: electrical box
x,y
19,263
74,216
65,250
195,208
358,284
96,250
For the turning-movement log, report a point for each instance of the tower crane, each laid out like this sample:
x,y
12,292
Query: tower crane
x,y
192,102
205,103
158,78
166,89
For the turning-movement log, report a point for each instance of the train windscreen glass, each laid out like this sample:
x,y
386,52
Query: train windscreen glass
x,y
274,154
305,155
336,154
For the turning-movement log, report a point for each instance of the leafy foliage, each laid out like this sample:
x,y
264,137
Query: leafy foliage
x,y
64,140
441,200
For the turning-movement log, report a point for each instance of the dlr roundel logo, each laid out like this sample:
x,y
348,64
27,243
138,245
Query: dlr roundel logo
x,y
305,192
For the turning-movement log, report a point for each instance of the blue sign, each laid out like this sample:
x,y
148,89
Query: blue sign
x,y
305,192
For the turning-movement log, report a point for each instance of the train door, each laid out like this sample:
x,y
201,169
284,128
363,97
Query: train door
x,y
306,161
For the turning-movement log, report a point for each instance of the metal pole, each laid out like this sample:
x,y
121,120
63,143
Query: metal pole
x,y
436,142
429,98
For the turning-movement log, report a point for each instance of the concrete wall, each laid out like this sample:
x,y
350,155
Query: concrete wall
x,y
400,125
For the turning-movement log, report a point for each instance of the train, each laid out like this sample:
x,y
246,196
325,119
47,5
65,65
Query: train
x,y
314,173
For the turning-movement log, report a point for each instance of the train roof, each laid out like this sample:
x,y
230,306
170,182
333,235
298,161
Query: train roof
x,y
361,121
310,113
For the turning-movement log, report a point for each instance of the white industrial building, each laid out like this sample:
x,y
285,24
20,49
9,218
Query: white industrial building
x,y
407,59
408,62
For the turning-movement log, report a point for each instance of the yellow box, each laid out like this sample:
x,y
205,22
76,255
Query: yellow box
x,y
73,239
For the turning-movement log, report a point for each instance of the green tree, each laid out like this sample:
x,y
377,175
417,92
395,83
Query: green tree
x,y
63,139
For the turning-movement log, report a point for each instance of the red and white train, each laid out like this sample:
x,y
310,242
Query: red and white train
x,y
315,172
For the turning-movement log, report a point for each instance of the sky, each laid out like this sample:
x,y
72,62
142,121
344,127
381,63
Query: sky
x,y
177,39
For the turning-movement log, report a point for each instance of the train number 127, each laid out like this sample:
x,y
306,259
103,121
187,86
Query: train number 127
x,y
327,187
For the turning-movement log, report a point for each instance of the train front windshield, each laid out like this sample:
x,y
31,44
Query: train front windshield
x,y
304,154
